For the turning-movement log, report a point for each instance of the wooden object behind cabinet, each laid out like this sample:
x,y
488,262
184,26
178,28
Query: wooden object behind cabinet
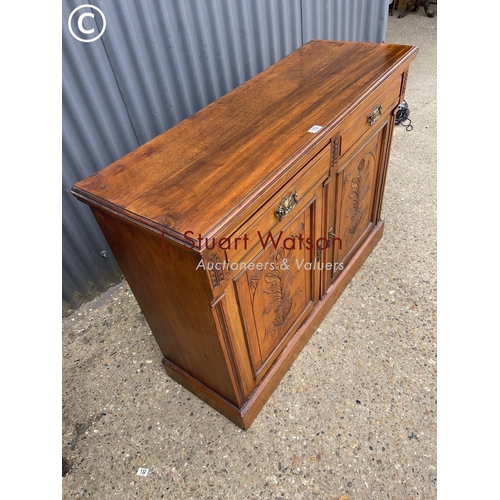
x,y
239,228
400,4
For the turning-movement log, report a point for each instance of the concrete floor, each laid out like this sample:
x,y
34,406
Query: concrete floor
x,y
354,418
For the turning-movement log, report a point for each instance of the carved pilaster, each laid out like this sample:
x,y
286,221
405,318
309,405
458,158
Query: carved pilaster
x,y
403,84
335,152
215,270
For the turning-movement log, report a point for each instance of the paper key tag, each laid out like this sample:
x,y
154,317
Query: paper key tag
x,y
143,472
315,128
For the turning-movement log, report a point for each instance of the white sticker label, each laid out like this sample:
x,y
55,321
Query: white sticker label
x,y
143,472
315,128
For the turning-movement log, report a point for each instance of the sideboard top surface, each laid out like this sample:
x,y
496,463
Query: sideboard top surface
x,y
198,174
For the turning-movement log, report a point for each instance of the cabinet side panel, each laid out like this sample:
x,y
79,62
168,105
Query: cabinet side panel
x,y
174,297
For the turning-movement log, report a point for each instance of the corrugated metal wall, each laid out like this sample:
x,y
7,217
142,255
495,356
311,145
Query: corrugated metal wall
x,y
158,62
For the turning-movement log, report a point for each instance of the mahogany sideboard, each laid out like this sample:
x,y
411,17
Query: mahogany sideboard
x,y
238,228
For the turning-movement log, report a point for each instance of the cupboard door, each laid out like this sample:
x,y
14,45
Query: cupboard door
x,y
279,286
356,185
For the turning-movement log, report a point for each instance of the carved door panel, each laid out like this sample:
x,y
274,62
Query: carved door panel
x,y
279,286
356,187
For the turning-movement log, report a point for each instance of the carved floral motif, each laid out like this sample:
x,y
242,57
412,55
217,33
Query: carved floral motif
x,y
355,209
357,186
279,278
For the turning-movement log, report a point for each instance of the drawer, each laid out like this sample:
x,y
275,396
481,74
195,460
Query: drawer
x,y
369,113
275,214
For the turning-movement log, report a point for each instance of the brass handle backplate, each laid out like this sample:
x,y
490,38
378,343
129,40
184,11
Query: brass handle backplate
x,y
286,206
375,115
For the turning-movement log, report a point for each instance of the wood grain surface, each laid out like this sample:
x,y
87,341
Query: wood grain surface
x,y
195,175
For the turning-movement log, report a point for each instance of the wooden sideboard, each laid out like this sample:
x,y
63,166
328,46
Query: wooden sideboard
x,y
239,228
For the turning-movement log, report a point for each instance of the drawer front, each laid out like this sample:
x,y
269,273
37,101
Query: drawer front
x,y
369,114
267,223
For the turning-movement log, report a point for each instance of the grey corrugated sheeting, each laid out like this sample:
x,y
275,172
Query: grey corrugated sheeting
x,y
348,20
157,63
96,131
173,58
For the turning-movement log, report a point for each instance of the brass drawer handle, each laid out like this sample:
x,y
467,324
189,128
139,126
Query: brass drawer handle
x,y
286,205
375,115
